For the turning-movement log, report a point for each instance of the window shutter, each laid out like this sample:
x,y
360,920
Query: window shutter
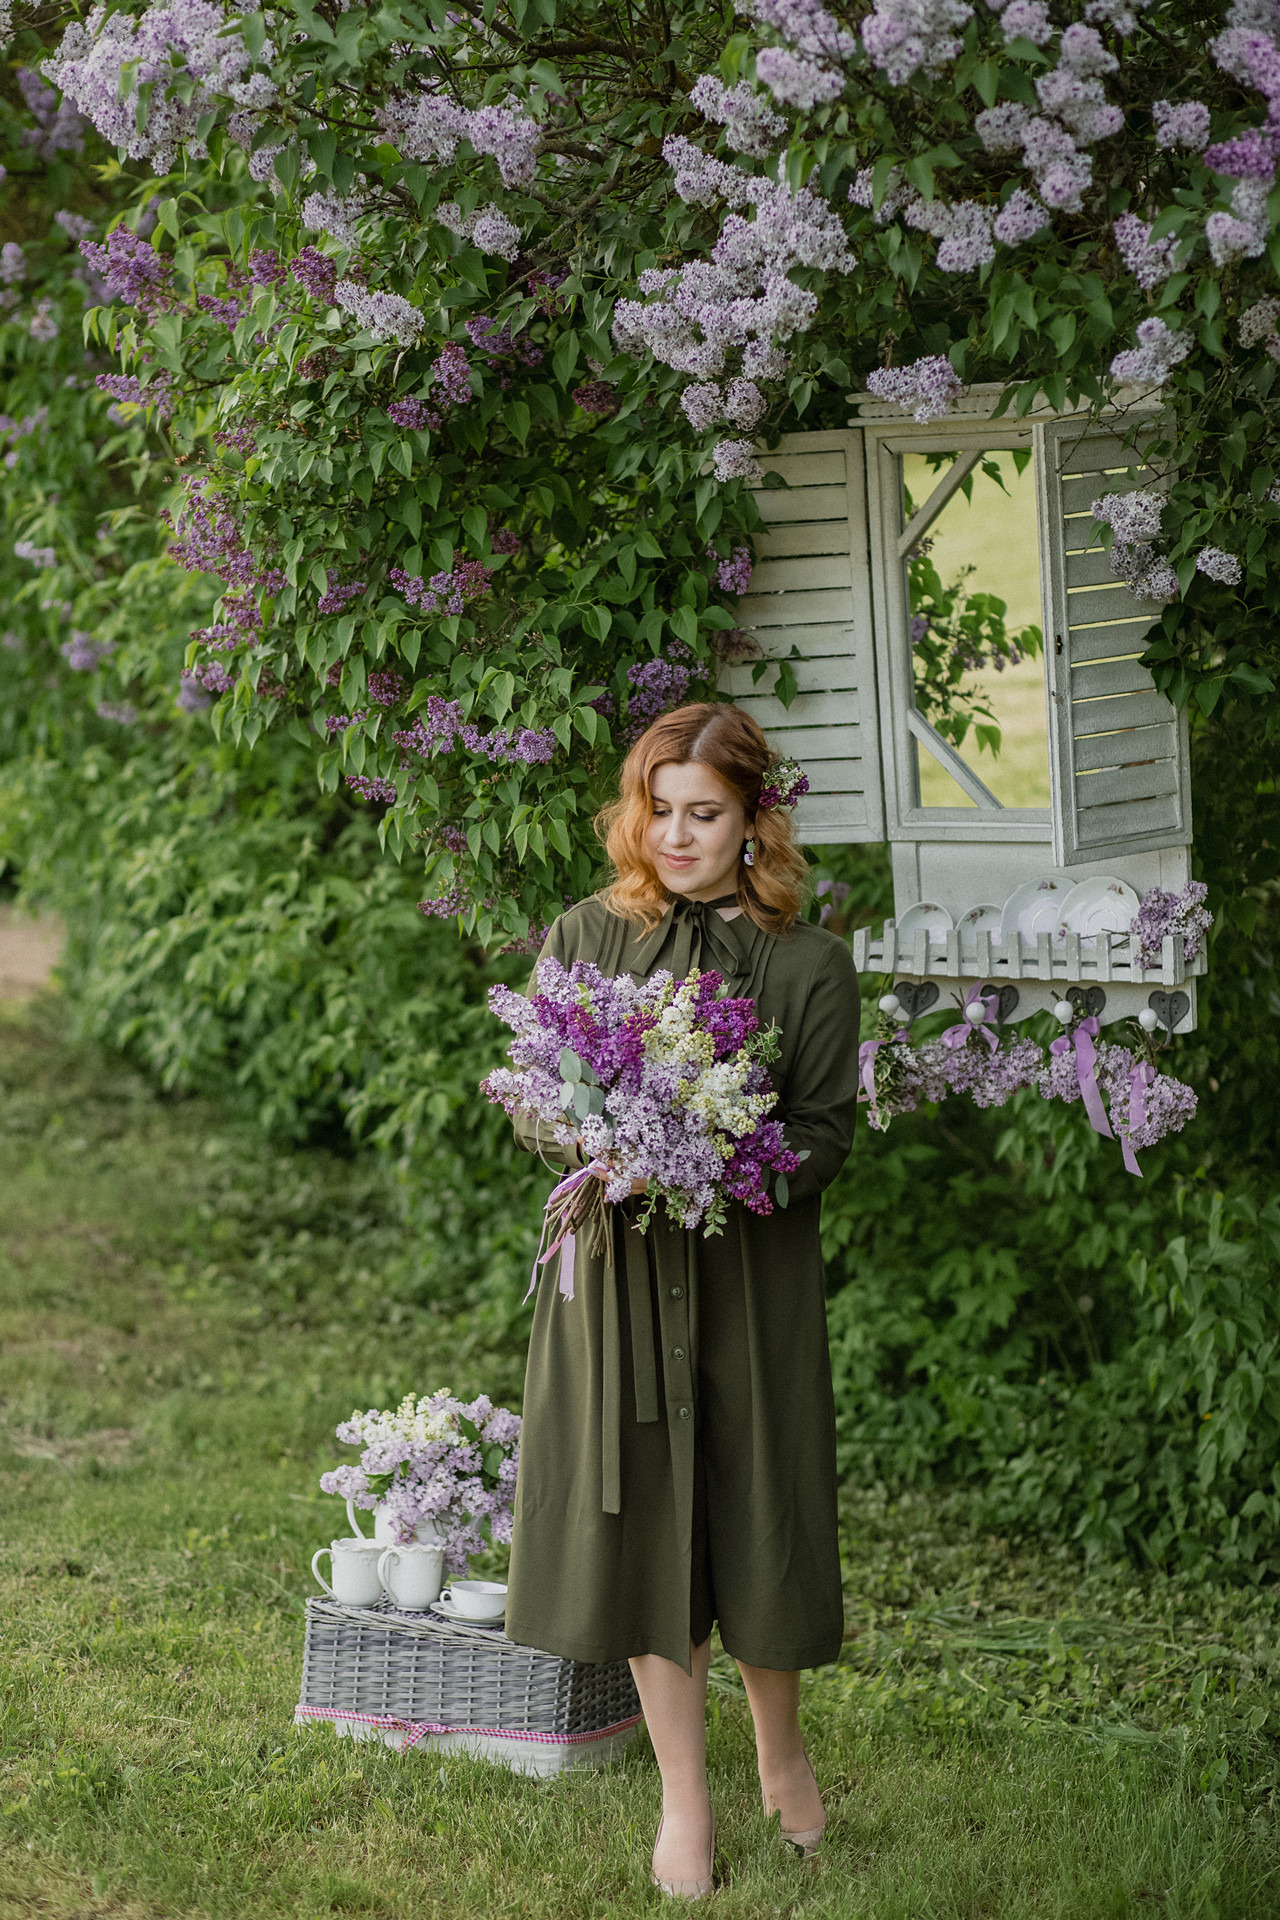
x,y
811,591
1118,758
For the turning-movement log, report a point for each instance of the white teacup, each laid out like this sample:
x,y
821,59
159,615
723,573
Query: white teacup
x,y
354,1566
411,1576
479,1599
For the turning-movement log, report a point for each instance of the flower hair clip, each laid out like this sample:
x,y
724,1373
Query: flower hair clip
x,y
786,780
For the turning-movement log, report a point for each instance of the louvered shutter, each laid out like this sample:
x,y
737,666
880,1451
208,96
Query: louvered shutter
x,y
811,591
1118,758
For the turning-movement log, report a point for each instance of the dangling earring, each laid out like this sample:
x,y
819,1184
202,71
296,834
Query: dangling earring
x,y
748,853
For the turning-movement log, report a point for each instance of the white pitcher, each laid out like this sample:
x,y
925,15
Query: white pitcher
x,y
425,1534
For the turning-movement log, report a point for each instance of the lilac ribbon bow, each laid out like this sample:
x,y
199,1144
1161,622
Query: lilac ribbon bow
x,y
867,1063
1142,1076
565,1244
1082,1038
957,1035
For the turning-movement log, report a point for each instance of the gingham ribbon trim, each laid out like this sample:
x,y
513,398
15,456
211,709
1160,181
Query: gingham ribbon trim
x,y
416,1729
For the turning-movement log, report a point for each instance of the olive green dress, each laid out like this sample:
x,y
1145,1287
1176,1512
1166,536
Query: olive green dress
x,y
677,1464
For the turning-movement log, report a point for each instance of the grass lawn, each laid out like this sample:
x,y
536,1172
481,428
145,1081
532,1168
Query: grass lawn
x,y
185,1315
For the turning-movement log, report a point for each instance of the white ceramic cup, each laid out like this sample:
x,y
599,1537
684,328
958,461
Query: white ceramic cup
x,y
354,1565
411,1576
479,1599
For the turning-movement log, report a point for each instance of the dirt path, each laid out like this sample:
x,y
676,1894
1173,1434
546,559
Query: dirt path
x,y
29,950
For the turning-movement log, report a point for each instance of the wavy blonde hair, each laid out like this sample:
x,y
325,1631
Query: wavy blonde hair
x,y
731,743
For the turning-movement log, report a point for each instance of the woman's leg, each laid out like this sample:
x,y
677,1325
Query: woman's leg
x,y
675,1712
786,1778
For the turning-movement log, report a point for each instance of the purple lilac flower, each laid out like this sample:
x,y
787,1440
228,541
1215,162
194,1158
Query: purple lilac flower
x,y
335,598
132,270
497,342
446,592
192,697
596,396
1250,156
451,373
336,723
928,388
82,652
796,80
122,712
656,686
1159,350
369,787
903,36
736,460
74,225
1149,261
384,315
1026,20
386,688
316,273
749,122
124,386
43,557
1184,915
266,268
1020,219
1182,123
505,540
445,905
240,440
734,574
59,128
413,413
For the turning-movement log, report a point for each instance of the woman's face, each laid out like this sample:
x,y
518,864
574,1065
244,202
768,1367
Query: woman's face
x,y
695,836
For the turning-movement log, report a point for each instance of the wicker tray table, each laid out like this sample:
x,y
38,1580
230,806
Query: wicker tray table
x,y
418,1682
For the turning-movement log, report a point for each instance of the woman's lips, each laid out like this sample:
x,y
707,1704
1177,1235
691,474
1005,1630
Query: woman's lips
x,y
680,860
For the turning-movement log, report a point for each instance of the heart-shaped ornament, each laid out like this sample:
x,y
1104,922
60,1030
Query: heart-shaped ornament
x,y
916,996
1006,998
1169,1008
1086,1000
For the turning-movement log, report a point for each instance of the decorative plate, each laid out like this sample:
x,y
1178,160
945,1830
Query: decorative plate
x,y
1034,909
1101,905
978,920
936,921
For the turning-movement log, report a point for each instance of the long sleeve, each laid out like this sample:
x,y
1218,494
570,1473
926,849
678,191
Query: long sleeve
x,y
819,1101
531,1134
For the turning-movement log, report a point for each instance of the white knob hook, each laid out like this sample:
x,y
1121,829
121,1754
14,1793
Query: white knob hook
x,y
890,1004
1064,1011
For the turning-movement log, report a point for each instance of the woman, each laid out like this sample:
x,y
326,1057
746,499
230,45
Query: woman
x,y
677,1458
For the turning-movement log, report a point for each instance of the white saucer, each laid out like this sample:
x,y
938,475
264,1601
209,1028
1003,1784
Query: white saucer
x,y
447,1611
1100,905
1034,909
983,919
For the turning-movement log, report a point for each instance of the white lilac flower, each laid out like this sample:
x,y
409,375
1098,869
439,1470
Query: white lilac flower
x,y
334,214
1258,322
385,315
1149,261
1026,20
13,263
1132,516
905,36
1159,350
750,124
928,388
1000,128
701,180
1181,123
795,80
1020,219
1220,566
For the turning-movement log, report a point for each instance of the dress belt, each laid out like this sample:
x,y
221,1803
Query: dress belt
x,y
631,1272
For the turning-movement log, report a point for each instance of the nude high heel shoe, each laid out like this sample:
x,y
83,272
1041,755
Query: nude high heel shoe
x,y
687,1889
805,1843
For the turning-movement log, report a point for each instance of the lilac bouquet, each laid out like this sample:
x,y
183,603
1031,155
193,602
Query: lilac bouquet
x,y
434,1458
663,1082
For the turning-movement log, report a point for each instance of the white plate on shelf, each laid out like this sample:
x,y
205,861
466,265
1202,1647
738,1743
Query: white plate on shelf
x,y
1100,905
1034,909
936,921
447,1611
978,920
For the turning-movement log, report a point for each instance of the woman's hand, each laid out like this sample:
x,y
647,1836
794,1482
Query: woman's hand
x,y
637,1186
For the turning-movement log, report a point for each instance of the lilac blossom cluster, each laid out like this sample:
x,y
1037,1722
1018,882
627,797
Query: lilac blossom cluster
x,y
208,538
441,724
927,389
1219,565
498,343
132,270
83,653
679,1075
437,1464
1149,261
1159,350
371,787
1165,1104
58,127
43,557
446,905
656,686
387,316
905,36
597,397
487,228
386,688
451,373
1134,519
335,598
136,393
414,414
429,126
122,712
149,81
447,592
316,273
1184,915
733,574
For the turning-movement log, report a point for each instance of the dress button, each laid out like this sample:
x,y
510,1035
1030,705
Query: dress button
x,y
684,1413
677,1353
677,1293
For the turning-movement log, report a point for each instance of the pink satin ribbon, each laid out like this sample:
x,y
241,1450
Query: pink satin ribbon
x,y
1082,1038
1140,1079
566,1245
